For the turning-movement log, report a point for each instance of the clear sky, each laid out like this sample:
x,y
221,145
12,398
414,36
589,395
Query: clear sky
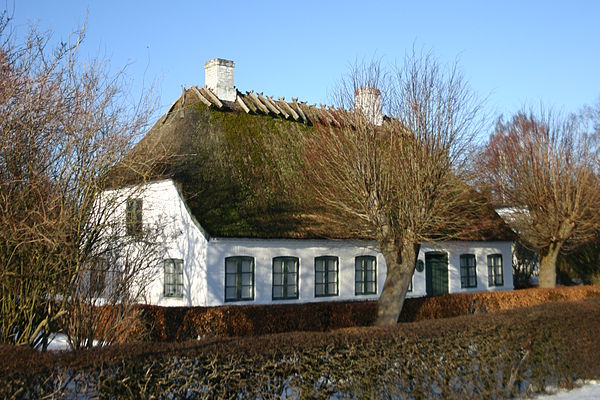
x,y
514,53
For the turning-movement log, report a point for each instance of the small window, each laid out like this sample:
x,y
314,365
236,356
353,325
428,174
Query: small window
x,y
495,272
410,285
365,275
239,278
173,278
285,278
133,217
468,271
326,276
98,269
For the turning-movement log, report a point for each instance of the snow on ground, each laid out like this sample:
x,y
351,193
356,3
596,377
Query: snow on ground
x,y
58,341
589,391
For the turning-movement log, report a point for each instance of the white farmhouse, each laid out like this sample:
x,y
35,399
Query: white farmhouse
x,y
231,240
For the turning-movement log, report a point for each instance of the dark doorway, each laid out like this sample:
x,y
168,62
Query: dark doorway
x,y
436,273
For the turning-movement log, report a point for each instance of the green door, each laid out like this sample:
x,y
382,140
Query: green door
x,y
436,273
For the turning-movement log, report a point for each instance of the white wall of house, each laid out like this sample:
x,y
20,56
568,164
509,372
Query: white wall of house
x,y
204,258
481,250
181,237
264,250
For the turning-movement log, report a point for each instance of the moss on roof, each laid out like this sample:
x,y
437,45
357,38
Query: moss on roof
x,y
223,159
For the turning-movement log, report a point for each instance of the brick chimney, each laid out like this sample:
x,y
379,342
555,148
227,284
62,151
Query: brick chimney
x,y
218,77
367,100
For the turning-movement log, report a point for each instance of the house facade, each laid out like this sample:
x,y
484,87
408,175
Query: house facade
x,y
217,253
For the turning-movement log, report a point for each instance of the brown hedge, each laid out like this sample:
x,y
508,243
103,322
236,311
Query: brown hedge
x,y
488,355
184,323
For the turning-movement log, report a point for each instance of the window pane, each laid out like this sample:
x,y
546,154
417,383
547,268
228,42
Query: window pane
x,y
319,265
360,288
319,277
472,281
360,276
231,266
291,278
246,279
371,287
246,266
292,291
246,292
278,279
332,276
277,291
292,266
331,264
332,288
231,280
230,293
370,275
319,289
277,266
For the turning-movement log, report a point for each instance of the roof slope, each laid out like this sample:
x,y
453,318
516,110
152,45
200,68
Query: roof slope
x,y
218,153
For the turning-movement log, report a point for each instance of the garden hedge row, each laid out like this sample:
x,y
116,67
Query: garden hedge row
x,y
183,323
487,355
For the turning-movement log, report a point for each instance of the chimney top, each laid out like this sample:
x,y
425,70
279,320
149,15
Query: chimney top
x,y
367,100
218,77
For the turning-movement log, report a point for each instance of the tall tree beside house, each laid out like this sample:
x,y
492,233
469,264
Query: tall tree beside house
x,y
398,178
63,124
545,168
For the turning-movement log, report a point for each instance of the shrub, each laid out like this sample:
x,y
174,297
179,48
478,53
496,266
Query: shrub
x,y
508,353
184,323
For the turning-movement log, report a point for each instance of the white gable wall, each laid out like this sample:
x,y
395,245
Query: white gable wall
x,y
181,238
204,258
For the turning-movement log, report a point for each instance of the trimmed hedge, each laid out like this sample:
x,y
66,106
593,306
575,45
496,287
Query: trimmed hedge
x,y
504,354
184,323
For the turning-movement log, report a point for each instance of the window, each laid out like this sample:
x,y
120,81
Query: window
x,y
410,285
239,278
468,271
285,278
495,277
133,217
326,276
98,269
173,278
365,275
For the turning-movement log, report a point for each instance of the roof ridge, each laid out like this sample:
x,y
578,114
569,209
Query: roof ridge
x,y
251,102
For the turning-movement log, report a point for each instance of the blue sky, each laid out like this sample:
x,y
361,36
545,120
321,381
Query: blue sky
x,y
515,53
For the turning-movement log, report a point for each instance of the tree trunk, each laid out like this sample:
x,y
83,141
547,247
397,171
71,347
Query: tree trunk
x,y
548,266
400,258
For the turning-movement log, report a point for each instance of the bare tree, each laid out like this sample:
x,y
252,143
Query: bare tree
x,y
63,125
396,179
545,168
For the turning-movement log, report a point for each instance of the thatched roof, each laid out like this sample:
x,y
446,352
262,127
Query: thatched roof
x,y
216,152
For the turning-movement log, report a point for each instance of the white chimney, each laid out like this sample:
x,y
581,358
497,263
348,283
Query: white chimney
x,y
367,100
218,77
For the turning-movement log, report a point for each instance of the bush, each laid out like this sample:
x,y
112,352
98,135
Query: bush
x,y
184,323
505,354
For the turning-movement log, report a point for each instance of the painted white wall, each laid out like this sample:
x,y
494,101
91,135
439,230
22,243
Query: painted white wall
x,y
454,250
204,258
264,250
163,208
